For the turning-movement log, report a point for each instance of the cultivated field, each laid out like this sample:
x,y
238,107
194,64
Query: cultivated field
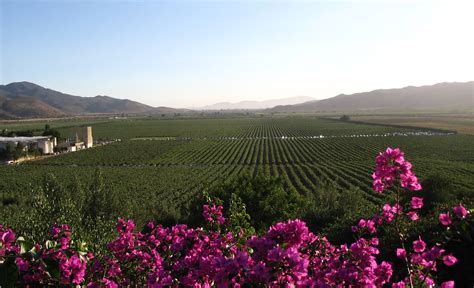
x,y
160,165
462,123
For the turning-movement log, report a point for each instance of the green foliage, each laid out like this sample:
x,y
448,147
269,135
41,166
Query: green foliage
x,y
332,211
99,212
438,188
12,152
267,199
52,132
89,212
238,220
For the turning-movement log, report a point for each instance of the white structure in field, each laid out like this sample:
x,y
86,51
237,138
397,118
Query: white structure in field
x,y
84,135
45,143
83,140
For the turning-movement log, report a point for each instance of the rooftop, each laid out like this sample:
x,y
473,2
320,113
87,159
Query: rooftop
x,y
24,139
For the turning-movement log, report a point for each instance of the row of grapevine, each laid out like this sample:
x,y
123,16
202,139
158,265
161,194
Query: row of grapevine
x,y
154,175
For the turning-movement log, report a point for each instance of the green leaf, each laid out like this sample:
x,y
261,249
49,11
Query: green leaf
x,y
25,245
81,246
52,267
50,244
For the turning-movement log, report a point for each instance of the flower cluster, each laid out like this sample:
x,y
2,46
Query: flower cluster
x,y
423,263
388,214
7,242
460,211
392,166
213,214
58,261
287,254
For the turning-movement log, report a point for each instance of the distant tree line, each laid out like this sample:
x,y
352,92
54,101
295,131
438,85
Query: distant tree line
x,y
48,131
15,152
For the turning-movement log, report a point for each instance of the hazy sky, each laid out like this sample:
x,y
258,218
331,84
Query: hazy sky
x,y
186,54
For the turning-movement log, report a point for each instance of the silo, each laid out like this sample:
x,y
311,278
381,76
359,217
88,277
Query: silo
x,y
84,134
87,136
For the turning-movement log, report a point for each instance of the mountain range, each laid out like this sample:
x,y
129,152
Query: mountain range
x,y
28,100
442,96
255,105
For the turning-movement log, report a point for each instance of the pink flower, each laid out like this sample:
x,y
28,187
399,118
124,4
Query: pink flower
x,y
447,284
409,181
378,186
213,213
22,264
416,202
419,245
374,241
400,284
371,226
413,216
401,253
8,236
449,260
445,219
397,209
389,165
55,230
429,282
460,211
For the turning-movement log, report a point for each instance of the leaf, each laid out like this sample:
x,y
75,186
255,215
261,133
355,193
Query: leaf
x,y
25,245
52,267
50,244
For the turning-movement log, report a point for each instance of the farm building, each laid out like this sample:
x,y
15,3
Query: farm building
x,y
45,143
83,140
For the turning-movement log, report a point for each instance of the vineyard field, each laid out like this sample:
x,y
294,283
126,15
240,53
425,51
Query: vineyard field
x,y
161,164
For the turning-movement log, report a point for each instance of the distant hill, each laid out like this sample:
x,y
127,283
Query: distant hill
x,y
28,100
256,104
442,96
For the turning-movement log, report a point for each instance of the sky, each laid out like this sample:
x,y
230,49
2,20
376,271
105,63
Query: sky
x,y
191,53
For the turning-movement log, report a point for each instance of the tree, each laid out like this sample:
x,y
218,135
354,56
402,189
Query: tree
x,y
26,133
8,152
52,132
345,118
19,151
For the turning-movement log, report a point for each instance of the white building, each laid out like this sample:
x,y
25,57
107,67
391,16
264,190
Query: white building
x,y
45,143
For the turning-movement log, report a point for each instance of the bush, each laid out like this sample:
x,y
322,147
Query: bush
x,y
267,200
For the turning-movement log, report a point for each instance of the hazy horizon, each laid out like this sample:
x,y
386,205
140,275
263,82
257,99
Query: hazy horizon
x,y
196,54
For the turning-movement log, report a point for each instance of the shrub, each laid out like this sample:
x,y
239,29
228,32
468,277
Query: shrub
x,y
267,200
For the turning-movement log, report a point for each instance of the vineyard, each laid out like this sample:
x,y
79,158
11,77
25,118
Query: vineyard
x,y
159,166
